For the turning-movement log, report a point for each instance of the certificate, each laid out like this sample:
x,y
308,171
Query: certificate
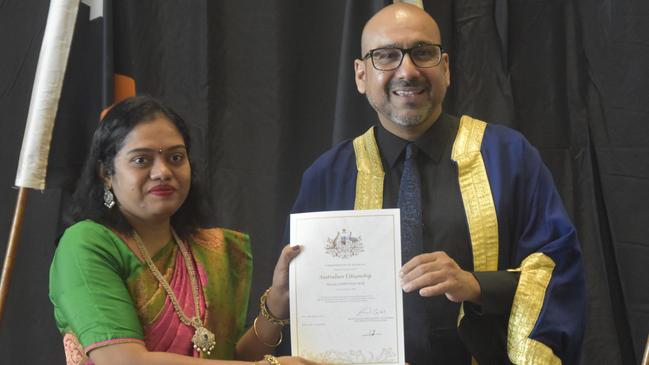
x,y
345,294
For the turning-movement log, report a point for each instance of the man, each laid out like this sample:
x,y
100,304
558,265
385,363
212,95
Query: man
x,y
492,266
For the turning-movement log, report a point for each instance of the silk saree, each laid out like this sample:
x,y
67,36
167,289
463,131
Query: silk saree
x,y
104,294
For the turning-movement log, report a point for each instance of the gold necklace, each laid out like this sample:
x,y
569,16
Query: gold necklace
x,y
203,339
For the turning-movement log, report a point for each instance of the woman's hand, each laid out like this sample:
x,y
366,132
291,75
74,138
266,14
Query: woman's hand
x,y
277,300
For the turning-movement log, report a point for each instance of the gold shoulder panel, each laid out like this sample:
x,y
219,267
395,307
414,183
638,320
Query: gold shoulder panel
x,y
536,272
476,194
369,182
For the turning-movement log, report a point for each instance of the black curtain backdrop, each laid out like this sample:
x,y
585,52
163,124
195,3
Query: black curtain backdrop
x,y
268,86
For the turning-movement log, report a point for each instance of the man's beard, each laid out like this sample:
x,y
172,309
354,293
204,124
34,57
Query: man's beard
x,y
404,119
410,119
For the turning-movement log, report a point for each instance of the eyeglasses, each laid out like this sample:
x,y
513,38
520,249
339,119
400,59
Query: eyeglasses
x,y
390,58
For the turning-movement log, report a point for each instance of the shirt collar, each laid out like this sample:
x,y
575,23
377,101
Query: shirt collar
x,y
432,143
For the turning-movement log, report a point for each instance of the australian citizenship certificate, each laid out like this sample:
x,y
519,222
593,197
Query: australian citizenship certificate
x,y
345,294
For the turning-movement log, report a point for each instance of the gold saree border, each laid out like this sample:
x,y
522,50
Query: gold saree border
x,y
536,272
369,182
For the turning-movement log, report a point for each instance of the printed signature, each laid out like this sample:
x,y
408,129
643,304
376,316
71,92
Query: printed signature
x,y
370,312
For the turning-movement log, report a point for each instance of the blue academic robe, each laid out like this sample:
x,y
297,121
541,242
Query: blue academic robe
x,y
534,236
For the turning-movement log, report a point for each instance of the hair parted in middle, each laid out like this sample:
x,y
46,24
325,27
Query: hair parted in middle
x,y
108,139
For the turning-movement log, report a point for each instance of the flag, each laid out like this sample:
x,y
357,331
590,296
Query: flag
x,y
52,61
91,85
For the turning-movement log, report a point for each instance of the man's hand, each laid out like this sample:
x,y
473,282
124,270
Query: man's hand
x,y
435,274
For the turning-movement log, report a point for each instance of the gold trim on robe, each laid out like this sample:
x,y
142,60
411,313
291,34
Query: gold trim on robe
x,y
482,220
536,272
477,198
476,194
369,182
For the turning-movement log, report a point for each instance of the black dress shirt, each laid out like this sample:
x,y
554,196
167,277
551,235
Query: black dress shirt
x,y
445,229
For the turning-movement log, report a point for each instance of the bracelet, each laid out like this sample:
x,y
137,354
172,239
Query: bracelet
x,y
254,329
272,360
266,313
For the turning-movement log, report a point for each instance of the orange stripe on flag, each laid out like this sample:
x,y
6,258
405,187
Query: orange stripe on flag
x,y
124,87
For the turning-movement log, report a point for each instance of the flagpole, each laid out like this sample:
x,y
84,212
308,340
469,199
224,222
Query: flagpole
x,y
34,153
12,247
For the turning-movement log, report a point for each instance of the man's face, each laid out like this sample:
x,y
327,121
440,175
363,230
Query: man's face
x,y
409,97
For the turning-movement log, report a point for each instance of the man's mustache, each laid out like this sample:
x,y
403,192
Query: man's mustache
x,y
400,84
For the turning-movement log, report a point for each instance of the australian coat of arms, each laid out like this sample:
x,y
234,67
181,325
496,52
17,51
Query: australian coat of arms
x,y
344,245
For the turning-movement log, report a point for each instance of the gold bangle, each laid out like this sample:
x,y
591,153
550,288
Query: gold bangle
x,y
254,329
266,313
272,360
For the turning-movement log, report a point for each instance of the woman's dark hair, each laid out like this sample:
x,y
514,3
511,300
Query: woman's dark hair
x,y
108,139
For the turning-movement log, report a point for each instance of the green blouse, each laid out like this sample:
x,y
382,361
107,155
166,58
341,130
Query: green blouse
x,y
103,294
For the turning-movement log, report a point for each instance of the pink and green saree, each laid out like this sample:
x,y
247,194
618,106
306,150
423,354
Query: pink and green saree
x,y
104,294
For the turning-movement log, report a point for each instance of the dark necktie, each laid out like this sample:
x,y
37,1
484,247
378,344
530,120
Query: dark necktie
x,y
410,205
416,322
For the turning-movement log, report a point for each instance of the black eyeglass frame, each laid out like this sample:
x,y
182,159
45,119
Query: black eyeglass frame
x,y
404,52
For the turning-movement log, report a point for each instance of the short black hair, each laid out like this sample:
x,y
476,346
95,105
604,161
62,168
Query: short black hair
x,y
108,139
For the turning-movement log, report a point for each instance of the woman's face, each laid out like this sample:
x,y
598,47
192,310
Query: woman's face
x,y
152,174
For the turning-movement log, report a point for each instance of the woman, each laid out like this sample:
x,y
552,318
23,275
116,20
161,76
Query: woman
x,y
129,278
